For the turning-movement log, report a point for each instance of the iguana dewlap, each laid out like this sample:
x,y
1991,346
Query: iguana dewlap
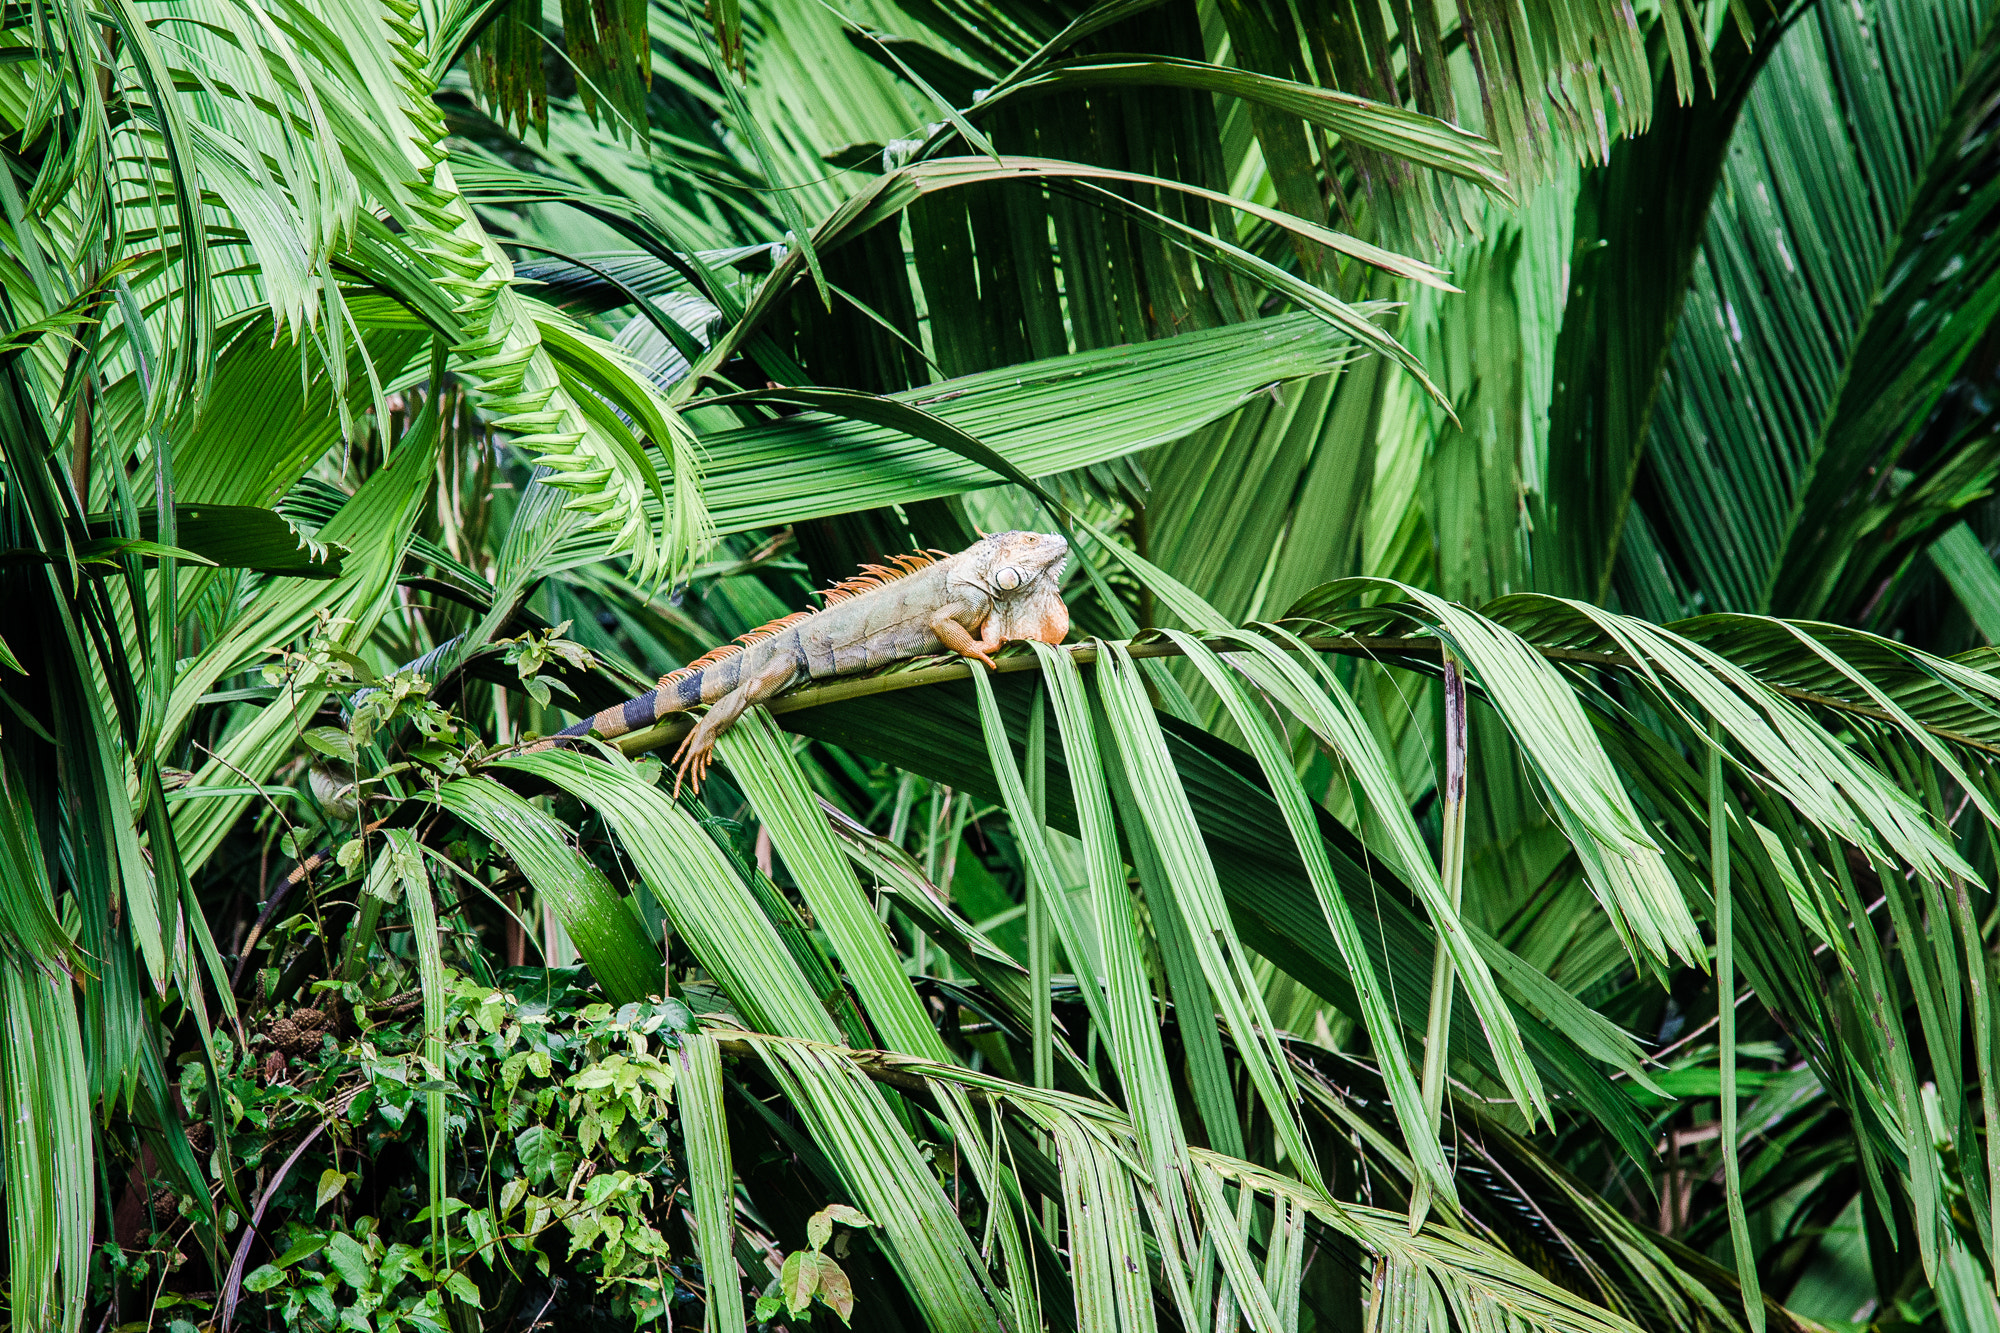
x,y
1000,588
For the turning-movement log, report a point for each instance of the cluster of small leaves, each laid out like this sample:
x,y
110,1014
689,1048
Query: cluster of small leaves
x,y
560,1166
266,1102
442,747
583,1109
350,1277
335,1270
322,661
403,694
529,653
811,1274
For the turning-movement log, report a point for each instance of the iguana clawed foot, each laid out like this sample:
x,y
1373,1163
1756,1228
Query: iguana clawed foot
x,y
697,749
956,637
691,766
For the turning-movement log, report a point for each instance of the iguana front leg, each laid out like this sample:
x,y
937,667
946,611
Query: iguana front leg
x,y
692,758
954,635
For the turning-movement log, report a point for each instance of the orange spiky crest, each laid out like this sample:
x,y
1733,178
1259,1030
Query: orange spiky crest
x,y
874,576
733,647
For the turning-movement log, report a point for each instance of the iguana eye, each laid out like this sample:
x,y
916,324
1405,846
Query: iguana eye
x,y
1007,578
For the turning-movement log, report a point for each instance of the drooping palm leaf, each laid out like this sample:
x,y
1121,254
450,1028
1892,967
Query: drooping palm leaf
x,y
1817,340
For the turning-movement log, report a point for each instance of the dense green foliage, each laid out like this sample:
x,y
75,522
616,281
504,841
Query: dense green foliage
x,y
1509,843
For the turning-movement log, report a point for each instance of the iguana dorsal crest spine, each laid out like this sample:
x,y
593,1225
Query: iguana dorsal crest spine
x,y
733,647
872,576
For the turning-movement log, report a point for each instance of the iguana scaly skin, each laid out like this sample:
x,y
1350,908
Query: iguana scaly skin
x,y
1000,588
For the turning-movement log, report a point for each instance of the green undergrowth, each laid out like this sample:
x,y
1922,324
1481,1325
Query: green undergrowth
x,y
560,1173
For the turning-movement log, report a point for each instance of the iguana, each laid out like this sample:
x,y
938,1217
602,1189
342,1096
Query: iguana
x,y
1001,588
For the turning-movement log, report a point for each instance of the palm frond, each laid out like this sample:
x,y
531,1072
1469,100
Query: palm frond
x,y
374,525
1860,204
606,935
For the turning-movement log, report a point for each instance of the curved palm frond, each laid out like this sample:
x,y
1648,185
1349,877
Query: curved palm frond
x,y
1820,338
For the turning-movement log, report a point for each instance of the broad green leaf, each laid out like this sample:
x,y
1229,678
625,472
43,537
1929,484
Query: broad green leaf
x,y
1198,897
762,764
604,928
1324,705
1639,226
1123,1008
373,526
1725,986
1820,334
708,904
107,550
1391,129
1383,1029
47,1143
936,732
849,1119
1625,867
711,1178
431,979
1045,417
1971,573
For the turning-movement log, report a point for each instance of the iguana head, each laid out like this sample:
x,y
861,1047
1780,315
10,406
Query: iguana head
x,y
1022,573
